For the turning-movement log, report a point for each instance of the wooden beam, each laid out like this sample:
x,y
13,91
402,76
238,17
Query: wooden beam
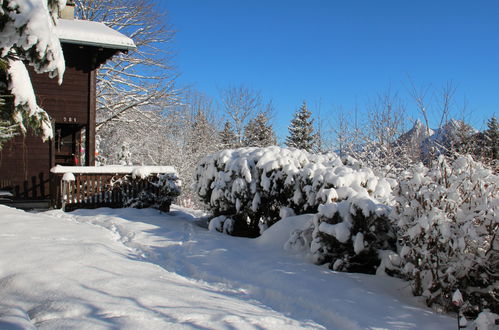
x,y
90,132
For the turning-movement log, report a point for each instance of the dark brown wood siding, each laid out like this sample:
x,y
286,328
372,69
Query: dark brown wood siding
x,y
67,103
25,161
24,167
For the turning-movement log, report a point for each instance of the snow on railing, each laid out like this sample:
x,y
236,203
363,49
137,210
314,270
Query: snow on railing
x,y
140,171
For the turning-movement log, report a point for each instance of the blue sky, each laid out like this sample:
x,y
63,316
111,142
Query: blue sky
x,y
340,53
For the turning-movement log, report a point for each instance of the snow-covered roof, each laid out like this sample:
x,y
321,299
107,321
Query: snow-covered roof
x,y
82,32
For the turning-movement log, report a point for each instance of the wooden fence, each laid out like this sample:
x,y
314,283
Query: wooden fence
x,y
36,188
93,190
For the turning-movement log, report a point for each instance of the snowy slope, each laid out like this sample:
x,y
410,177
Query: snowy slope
x,y
132,269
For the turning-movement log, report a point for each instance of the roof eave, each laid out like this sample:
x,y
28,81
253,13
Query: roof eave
x,y
98,44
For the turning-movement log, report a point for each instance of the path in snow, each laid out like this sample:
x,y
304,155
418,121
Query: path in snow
x,y
133,268
259,269
59,273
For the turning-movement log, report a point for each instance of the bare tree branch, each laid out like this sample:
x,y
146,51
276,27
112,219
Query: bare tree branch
x,y
144,76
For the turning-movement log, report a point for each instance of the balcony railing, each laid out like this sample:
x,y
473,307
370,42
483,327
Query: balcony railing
x,y
75,187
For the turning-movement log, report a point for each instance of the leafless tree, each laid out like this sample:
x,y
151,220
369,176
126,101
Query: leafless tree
x,y
142,78
143,132
192,133
445,100
421,98
324,143
343,133
240,104
455,136
382,150
375,142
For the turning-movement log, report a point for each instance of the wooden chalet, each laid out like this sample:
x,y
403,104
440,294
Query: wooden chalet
x,y
25,161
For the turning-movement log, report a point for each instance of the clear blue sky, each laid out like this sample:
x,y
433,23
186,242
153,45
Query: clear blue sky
x,y
339,53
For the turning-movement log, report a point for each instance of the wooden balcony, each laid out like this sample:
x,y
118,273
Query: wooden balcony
x,y
73,187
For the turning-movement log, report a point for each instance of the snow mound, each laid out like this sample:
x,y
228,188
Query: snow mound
x,y
276,236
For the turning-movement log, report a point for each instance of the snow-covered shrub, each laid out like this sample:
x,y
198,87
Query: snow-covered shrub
x,y
153,190
486,320
351,229
249,185
222,224
349,235
255,186
447,218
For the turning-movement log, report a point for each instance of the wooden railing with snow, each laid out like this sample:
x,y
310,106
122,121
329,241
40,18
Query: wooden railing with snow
x,y
74,187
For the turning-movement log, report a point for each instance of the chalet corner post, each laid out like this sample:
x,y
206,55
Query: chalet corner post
x,y
92,108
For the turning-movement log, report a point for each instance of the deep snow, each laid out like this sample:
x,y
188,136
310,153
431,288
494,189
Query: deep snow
x,y
129,268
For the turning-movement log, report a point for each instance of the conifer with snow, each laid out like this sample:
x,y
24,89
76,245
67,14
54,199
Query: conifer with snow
x,y
201,133
228,138
27,35
301,130
124,155
259,132
492,138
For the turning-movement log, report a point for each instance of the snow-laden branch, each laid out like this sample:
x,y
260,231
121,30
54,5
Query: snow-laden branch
x,y
28,35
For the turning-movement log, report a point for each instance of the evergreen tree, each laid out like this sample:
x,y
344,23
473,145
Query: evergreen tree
x,y
301,130
259,132
28,36
202,133
124,155
228,137
491,138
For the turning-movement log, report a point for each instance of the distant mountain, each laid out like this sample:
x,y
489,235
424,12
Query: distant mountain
x,y
454,131
417,134
415,138
421,140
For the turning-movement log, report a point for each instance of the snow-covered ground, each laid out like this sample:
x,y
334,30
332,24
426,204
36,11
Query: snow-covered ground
x,y
140,269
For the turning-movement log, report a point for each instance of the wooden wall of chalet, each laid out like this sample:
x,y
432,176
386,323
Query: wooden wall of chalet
x,y
25,161
67,103
24,165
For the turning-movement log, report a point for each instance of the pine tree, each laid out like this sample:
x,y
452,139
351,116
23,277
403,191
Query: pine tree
x,y
301,130
259,132
124,155
492,138
201,134
228,137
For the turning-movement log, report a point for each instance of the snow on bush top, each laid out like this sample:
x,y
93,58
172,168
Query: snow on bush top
x,y
260,181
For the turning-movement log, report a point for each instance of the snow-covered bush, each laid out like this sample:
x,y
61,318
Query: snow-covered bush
x,y
351,234
249,185
254,186
152,190
447,218
351,231
222,224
